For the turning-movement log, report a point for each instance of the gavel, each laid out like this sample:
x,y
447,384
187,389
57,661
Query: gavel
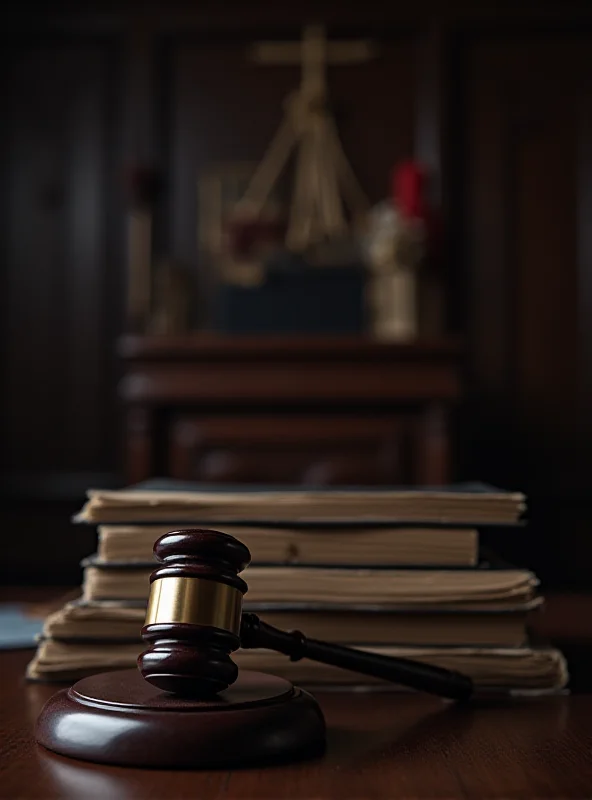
x,y
195,621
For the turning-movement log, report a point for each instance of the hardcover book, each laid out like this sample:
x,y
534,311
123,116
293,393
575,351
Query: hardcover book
x,y
472,504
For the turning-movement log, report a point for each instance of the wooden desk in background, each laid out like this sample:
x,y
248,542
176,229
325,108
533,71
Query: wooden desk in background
x,y
379,746
233,409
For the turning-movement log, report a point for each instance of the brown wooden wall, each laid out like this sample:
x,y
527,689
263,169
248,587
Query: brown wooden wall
x,y
498,103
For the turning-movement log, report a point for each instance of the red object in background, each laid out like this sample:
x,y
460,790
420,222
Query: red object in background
x,y
248,237
409,180
408,190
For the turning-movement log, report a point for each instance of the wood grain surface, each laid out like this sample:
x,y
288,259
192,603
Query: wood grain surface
x,y
119,719
379,746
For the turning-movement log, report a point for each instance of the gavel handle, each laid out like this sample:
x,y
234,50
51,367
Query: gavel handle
x,y
424,677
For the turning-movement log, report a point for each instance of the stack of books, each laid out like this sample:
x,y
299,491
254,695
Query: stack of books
x,y
396,572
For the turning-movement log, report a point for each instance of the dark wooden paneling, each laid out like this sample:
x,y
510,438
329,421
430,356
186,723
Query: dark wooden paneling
x,y
61,298
584,253
41,545
523,106
58,319
528,167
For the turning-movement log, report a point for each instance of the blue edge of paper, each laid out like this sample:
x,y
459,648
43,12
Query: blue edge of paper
x,y
17,629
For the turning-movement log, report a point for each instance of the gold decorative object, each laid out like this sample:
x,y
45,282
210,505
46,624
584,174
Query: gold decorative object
x,y
324,181
193,601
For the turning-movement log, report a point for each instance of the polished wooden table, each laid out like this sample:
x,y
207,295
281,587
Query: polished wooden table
x,y
379,746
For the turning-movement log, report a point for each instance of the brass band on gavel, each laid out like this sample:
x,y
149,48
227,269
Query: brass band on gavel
x,y
195,601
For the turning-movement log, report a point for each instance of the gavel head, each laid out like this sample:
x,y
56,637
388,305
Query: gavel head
x,y
194,612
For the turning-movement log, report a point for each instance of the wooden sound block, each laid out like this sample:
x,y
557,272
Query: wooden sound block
x,y
119,718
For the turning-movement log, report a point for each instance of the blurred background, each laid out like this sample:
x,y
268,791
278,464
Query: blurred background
x,y
328,243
